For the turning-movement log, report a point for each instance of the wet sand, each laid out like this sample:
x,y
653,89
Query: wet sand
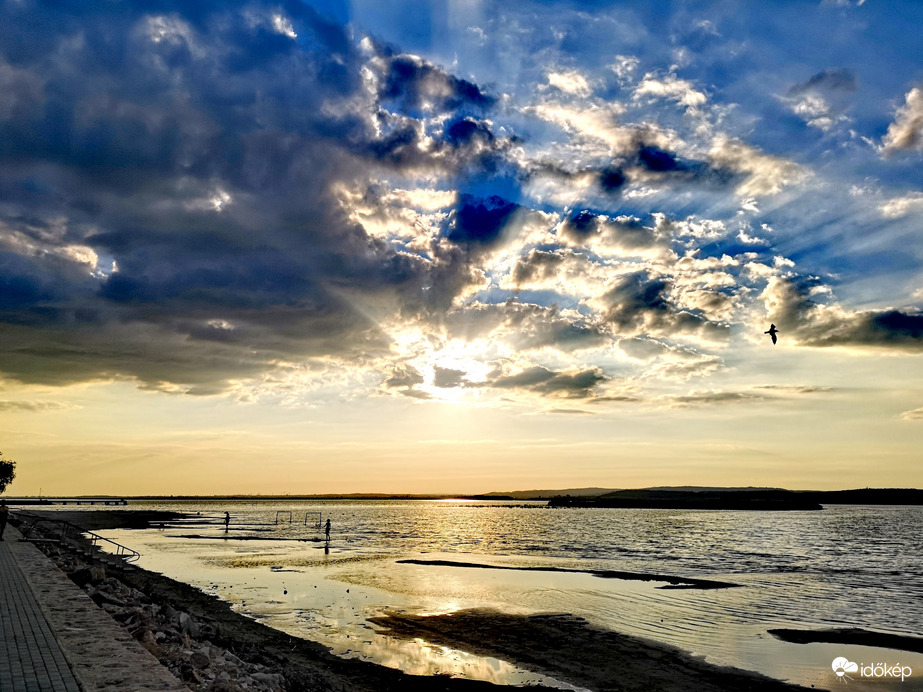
x,y
672,582
561,646
850,635
567,648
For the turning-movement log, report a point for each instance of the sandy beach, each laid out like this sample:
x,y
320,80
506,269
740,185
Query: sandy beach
x,y
210,647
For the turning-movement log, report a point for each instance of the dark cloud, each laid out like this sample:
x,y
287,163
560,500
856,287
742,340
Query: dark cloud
x,y
405,380
626,233
537,266
169,190
658,160
581,224
448,377
828,82
796,388
715,397
791,305
612,179
464,130
637,161
577,384
639,304
669,167
479,222
416,84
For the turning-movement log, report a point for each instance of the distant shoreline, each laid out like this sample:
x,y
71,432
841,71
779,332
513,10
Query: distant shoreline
x,y
683,497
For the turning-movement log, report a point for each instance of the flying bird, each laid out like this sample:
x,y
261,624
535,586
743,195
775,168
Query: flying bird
x,y
772,332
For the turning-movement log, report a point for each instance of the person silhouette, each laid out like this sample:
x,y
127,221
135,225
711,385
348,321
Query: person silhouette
x,y
327,529
227,521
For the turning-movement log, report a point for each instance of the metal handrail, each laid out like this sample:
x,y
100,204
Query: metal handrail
x,y
121,551
317,523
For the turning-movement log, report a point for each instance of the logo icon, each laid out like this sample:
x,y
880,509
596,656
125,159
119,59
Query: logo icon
x,y
841,666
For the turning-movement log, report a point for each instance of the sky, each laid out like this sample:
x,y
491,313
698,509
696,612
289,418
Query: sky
x,y
460,246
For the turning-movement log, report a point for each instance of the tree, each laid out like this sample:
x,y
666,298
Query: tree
x,y
7,472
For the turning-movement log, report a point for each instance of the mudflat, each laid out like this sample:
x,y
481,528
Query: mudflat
x,y
211,647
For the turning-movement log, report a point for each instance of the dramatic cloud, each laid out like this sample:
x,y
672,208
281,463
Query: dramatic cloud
x,y
158,228
197,198
641,304
795,305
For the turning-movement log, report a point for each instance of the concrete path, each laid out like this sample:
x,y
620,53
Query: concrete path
x,y
30,659
53,638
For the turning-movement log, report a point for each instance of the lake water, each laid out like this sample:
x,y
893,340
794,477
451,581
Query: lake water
x,y
846,566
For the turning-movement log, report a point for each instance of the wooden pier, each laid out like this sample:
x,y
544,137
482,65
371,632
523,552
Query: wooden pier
x,y
17,501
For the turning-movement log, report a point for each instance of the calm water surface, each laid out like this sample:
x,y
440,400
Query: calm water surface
x,y
846,566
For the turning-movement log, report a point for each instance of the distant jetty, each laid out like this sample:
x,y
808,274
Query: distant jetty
x,y
87,500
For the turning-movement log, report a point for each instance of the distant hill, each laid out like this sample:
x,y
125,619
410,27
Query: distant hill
x,y
708,488
742,498
545,494
737,499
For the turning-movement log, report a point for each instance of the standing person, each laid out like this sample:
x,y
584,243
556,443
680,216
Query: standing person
x,y
327,529
227,521
5,514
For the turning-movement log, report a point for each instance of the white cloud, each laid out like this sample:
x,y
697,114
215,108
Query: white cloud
x,y
670,88
624,67
764,174
822,100
570,82
743,235
592,121
690,227
902,206
283,25
906,132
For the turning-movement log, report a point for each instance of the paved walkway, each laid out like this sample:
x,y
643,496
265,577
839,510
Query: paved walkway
x,y
31,659
53,638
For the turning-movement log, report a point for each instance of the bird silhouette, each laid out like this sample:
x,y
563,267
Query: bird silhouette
x,y
772,332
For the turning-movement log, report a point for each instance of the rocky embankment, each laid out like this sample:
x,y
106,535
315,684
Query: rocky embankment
x,y
180,641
